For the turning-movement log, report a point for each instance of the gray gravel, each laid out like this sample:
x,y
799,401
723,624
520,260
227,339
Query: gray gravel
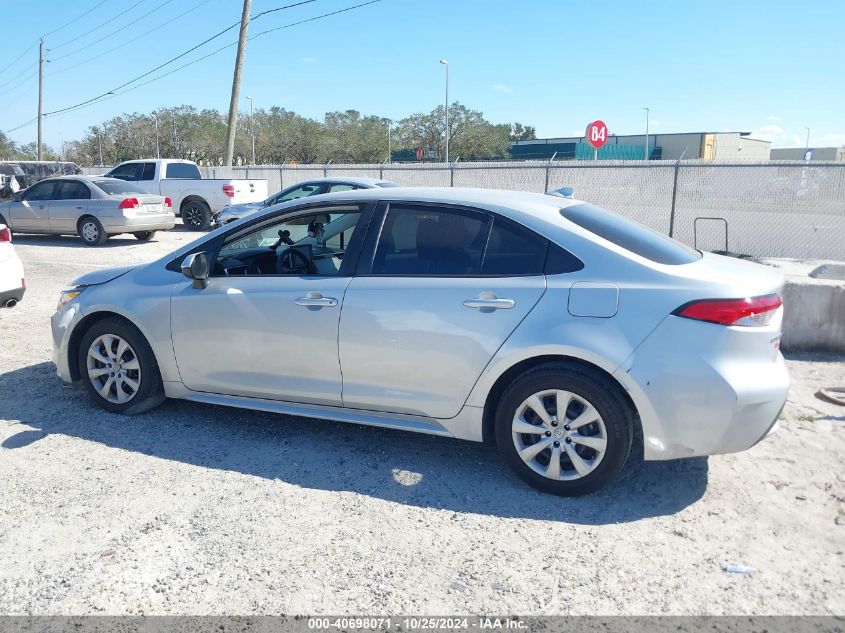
x,y
193,509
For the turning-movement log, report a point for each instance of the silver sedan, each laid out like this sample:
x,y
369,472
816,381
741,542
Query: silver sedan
x,y
93,208
552,328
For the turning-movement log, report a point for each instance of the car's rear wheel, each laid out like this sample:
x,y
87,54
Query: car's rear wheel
x,y
144,236
196,215
92,232
118,368
564,429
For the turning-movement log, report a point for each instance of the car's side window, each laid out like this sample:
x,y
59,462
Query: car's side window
x,y
340,187
40,191
71,190
513,250
128,171
431,241
311,244
149,171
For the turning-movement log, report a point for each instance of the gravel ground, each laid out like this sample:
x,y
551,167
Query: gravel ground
x,y
194,509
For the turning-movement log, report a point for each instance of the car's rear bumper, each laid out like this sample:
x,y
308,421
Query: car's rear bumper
x,y
705,393
139,222
14,293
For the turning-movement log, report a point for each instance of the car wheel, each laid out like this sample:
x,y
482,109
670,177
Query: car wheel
x,y
196,215
564,429
92,232
118,368
144,236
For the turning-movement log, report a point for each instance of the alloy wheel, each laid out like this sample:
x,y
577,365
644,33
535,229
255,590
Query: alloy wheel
x,y
113,368
90,232
559,434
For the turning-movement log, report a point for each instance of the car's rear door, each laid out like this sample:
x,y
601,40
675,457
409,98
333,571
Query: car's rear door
x,y
438,291
70,201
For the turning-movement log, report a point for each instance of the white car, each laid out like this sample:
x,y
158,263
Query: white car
x,y
92,207
194,198
12,282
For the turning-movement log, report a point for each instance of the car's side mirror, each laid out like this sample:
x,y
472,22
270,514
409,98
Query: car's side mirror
x,y
195,267
17,197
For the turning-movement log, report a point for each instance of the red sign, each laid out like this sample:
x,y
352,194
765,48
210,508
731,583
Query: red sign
x,y
419,153
597,133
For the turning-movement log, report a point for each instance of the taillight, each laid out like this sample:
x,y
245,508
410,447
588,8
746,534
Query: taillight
x,y
229,190
5,234
168,202
129,203
753,311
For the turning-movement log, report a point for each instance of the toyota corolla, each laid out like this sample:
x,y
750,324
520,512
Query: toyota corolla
x,y
550,327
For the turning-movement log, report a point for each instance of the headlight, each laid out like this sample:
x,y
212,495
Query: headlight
x,y
68,295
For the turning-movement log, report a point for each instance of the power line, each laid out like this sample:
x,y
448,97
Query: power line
x,y
79,17
99,26
112,34
19,57
167,63
115,92
128,42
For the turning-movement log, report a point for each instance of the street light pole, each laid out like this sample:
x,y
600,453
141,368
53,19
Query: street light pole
x,y
389,149
446,63
158,149
252,128
807,144
645,150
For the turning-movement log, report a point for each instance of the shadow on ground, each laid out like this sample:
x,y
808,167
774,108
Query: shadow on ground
x,y
72,241
407,468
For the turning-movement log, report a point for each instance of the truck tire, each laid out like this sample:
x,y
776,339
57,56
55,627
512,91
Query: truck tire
x,y
196,215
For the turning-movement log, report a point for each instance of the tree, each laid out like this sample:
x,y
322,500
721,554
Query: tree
x,y
519,132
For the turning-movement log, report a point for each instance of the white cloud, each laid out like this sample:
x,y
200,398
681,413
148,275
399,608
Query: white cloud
x,y
309,60
778,136
830,140
654,123
773,117
501,88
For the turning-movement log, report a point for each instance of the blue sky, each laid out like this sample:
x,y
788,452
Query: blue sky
x,y
769,67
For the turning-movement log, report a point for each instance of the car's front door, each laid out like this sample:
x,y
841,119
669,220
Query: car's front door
x,y
266,324
70,200
32,211
443,289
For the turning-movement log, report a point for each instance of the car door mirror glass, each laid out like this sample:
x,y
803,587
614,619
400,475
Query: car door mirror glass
x,y
195,267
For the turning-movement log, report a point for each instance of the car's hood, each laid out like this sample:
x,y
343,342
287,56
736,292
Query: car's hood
x,y
102,276
238,209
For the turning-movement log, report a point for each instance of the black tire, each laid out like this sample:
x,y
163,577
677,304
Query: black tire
x,y
91,231
144,236
196,215
150,392
590,385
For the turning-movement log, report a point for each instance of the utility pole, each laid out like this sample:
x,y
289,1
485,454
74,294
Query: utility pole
x,y
40,95
446,63
645,148
389,143
100,142
175,136
158,150
236,84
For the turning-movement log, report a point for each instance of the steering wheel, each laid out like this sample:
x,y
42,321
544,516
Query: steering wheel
x,y
286,263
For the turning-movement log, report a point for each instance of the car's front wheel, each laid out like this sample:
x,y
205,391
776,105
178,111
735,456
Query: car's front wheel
x,y
564,429
118,368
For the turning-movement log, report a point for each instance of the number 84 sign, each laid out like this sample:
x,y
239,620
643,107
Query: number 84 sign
x,y
596,134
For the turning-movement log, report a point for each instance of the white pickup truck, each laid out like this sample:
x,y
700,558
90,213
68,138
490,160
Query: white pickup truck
x,y
193,198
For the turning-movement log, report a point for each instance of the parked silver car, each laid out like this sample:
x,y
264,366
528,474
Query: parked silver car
x,y
304,189
92,207
546,325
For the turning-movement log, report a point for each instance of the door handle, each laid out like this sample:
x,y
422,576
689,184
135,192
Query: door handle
x,y
483,302
316,300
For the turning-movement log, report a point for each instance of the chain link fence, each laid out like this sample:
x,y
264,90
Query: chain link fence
x,y
769,209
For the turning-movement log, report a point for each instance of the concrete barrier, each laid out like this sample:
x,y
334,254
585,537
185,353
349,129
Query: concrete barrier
x,y
814,308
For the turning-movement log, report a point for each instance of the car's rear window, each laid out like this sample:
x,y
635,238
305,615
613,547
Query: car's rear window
x,y
183,170
630,235
117,186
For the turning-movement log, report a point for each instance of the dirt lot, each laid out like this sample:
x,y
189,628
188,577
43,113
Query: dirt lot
x,y
194,509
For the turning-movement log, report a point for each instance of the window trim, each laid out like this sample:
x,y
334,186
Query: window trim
x,y
373,238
